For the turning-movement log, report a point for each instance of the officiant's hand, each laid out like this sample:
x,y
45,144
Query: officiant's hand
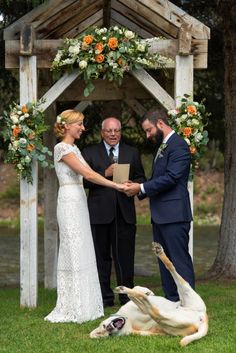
x,y
132,189
109,170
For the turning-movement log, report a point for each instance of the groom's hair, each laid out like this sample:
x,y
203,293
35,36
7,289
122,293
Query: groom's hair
x,y
154,115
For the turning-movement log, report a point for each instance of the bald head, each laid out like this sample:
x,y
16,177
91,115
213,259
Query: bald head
x,y
111,131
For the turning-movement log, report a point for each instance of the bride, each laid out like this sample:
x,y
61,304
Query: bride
x,y
79,296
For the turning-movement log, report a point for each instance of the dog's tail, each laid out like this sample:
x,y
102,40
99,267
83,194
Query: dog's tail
x,y
202,331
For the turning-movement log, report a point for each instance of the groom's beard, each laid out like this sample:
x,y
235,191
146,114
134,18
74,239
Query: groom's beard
x,y
158,138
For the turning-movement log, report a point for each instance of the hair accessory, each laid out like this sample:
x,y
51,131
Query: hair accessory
x,y
61,120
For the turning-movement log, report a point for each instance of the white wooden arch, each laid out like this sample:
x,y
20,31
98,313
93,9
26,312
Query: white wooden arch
x,y
30,44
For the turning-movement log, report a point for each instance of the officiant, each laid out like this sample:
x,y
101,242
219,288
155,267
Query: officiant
x,y
112,214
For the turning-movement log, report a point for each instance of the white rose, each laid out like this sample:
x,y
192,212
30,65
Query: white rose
x,y
15,144
22,141
141,47
184,117
26,115
129,34
19,112
14,119
74,49
19,166
104,38
27,159
83,64
116,28
195,122
198,137
178,121
189,122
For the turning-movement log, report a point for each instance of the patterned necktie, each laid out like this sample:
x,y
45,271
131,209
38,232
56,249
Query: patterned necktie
x,y
111,154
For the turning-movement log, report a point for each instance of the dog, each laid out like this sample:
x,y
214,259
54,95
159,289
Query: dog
x,y
147,314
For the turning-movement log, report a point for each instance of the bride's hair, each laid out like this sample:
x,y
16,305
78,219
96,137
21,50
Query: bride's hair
x,y
69,116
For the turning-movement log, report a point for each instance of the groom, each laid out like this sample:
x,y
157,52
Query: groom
x,y
169,198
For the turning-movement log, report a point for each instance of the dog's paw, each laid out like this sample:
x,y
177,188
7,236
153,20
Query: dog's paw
x,y
157,249
119,290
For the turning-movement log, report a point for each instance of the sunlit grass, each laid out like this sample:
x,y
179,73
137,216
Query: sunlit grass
x,y
25,331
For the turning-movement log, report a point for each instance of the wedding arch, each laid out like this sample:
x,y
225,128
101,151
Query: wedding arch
x,y
31,44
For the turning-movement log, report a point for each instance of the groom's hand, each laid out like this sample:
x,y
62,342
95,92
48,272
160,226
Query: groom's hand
x,y
132,189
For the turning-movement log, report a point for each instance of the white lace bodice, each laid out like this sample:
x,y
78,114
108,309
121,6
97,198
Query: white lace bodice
x,y
64,173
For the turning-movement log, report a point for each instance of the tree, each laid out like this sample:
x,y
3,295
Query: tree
x,y
225,263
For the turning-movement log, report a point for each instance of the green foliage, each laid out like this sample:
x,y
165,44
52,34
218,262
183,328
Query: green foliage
x,y
22,129
25,331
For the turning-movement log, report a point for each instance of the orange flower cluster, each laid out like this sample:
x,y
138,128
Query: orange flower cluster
x,y
99,47
88,39
112,43
187,131
100,58
191,109
192,149
16,131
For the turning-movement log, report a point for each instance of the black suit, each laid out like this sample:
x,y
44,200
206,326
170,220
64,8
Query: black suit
x,y
113,218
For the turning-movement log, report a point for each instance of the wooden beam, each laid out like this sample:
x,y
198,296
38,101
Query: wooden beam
x,y
184,84
145,18
154,88
105,90
46,50
175,15
136,106
185,38
36,16
27,40
119,20
106,13
81,106
54,92
28,200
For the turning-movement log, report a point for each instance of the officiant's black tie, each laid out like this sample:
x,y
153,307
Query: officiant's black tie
x,y
111,154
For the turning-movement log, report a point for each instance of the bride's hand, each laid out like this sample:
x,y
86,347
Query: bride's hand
x,y
120,187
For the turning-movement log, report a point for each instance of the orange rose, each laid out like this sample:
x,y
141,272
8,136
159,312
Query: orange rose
x,y
191,109
88,39
30,147
99,58
187,131
16,131
24,109
113,43
193,149
99,47
120,61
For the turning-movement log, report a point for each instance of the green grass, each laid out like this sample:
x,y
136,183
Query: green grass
x,y
24,330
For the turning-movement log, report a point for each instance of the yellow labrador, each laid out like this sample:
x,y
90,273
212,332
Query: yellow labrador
x,y
147,314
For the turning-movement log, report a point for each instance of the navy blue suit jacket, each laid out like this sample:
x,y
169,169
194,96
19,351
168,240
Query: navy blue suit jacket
x,y
168,186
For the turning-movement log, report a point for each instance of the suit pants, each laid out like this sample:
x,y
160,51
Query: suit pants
x,y
115,240
174,238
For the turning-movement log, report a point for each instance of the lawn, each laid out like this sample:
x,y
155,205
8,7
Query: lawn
x,y
24,330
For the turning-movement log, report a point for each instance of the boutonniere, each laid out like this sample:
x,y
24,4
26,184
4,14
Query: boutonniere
x,y
160,150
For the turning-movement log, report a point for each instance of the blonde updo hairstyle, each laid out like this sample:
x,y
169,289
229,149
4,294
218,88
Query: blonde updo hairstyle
x,y
69,116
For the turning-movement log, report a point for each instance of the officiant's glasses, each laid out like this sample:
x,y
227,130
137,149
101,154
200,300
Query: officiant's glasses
x,y
112,131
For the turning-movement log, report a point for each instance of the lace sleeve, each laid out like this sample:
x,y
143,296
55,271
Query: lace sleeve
x,y
61,150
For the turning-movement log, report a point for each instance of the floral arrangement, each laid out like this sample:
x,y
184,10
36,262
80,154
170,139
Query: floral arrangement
x,y
106,53
22,131
189,121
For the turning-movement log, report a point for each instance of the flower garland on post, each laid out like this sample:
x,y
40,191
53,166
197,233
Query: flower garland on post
x,y
106,53
22,131
189,121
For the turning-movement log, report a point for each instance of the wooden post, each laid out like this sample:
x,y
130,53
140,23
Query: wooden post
x,y
184,84
28,200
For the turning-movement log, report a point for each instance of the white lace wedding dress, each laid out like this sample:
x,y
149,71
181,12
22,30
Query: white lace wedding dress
x,y
79,296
